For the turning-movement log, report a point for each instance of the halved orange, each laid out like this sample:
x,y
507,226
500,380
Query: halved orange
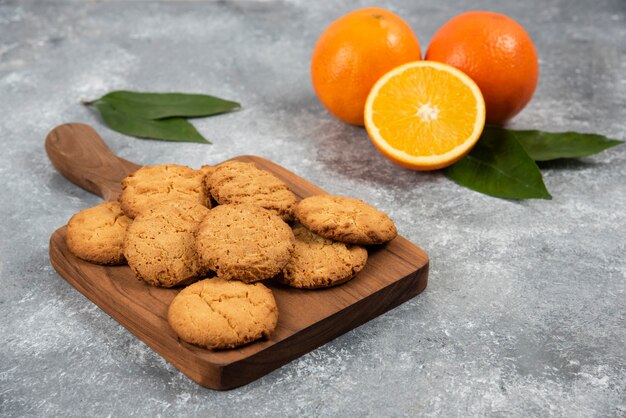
x,y
425,115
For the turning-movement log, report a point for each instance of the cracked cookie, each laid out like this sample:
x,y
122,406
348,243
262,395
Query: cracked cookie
x,y
345,219
236,182
217,313
244,242
153,184
319,262
97,234
160,245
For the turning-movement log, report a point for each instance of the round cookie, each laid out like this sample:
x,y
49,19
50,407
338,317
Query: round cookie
x,y
160,245
97,234
153,184
345,219
217,313
318,262
236,182
244,242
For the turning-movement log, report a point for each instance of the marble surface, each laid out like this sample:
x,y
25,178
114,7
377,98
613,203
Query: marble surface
x,y
524,314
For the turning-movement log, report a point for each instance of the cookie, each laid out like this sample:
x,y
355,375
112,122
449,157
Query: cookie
x,y
345,219
318,262
216,313
97,234
160,245
244,242
236,182
154,184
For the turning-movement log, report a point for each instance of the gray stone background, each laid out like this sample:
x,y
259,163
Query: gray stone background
x,y
525,309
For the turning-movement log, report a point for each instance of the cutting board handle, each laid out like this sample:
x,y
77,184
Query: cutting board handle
x,y
79,153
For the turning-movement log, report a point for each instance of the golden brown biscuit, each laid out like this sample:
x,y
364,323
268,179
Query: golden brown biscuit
x,y
154,184
216,313
345,219
244,242
318,262
97,234
160,245
236,182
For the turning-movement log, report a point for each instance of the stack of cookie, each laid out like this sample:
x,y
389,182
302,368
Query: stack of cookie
x,y
234,223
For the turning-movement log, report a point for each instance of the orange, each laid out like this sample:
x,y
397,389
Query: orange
x,y
497,53
354,52
425,115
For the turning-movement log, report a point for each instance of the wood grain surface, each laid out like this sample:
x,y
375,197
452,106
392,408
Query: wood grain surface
x,y
394,273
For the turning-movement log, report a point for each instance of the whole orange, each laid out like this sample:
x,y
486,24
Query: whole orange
x,y
497,53
353,53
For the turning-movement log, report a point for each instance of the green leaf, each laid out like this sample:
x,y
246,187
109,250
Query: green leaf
x,y
545,146
499,166
173,129
166,105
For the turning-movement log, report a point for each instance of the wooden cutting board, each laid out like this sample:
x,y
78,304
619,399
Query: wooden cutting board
x,y
394,273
